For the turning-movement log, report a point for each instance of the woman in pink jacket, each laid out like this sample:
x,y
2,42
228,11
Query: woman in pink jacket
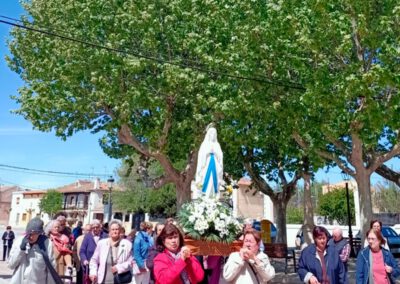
x,y
175,264
112,256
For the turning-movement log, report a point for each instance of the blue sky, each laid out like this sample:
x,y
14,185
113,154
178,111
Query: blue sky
x,y
21,146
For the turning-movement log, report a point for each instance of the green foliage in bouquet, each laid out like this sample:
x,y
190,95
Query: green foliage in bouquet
x,y
210,220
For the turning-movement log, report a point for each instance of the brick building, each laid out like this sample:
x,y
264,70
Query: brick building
x,y
5,202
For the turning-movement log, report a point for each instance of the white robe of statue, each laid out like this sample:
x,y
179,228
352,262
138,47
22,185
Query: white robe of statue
x,y
209,170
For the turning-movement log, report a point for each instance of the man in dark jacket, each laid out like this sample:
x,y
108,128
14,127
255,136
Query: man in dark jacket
x,y
90,241
341,246
8,239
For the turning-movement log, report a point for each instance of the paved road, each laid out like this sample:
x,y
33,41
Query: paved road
x,y
5,273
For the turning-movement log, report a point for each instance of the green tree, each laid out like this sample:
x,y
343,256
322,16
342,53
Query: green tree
x,y
294,215
137,196
333,205
51,203
347,53
149,98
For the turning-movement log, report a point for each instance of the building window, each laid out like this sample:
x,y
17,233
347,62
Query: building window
x,y
23,217
118,216
127,217
18,199
86,201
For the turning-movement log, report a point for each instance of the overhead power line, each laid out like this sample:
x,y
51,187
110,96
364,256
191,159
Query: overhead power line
x,y
36,171
19,185
264,80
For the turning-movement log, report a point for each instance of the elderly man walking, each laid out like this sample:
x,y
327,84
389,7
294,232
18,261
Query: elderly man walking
x,y
89,244
341,245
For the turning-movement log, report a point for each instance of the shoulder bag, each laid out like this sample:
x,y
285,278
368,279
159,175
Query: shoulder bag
x,y
121,278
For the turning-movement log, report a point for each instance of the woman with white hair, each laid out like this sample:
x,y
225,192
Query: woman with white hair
x,y
61,251
112,258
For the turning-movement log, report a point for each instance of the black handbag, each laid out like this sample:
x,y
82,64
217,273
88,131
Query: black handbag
x,y
123,278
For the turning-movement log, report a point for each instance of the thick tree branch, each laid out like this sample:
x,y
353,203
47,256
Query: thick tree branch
x,y
259,182
191,166
142,171
356,39
126,137
162,141
282,176
324,154
386,157
290,188
339,145
389,174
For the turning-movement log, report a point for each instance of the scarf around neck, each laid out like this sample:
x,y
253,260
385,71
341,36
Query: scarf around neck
x,y
183,275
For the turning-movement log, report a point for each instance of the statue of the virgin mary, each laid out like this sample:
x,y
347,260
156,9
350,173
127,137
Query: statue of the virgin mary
x,y
209,170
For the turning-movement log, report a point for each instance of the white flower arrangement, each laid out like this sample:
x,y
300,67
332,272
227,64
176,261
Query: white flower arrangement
x,y
209,219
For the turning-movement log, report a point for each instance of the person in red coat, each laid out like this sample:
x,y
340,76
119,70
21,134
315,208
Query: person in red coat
x,y
175,263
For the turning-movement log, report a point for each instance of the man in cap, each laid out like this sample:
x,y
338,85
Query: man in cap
x,y
26,258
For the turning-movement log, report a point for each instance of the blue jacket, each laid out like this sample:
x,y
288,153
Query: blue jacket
x,y
88,246
141,247
362,271
310,263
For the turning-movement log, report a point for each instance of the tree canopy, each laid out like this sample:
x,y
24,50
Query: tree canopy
x,y
333,205
137,196
152,75
52,202
129,70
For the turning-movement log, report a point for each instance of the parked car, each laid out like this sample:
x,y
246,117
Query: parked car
x,y
392,238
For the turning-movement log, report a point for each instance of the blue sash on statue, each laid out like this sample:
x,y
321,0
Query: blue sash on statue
x,y
212,169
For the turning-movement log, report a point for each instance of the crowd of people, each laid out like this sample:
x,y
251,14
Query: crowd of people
x,y
105,254
325,261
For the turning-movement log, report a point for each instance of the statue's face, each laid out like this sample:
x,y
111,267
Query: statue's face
x,y
213,134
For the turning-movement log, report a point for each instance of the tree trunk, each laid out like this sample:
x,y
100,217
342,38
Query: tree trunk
x,y
183,194
280,220
362,178
308,223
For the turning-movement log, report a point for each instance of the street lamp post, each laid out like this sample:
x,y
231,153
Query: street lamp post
x,y
110,182
346,178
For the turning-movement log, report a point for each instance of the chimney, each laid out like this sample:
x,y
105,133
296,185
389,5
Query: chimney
x,y
96,183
